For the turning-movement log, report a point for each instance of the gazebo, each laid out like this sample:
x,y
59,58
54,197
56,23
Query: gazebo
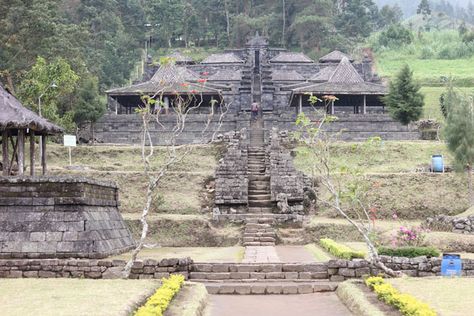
x,y
16,124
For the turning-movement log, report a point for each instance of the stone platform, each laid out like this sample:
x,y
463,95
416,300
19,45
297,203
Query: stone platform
x,y
60,217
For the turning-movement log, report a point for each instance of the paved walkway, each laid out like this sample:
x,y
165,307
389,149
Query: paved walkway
x,y
294,254
321,304
260,254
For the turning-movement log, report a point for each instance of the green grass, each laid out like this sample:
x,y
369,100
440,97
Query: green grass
x,y
432,109
448,296
387,157
68,297
198,254
319,253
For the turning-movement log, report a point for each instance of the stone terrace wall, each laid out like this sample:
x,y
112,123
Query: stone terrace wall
x,y
57,217
232,179
356,127
460,225
284,178
334,270
127,128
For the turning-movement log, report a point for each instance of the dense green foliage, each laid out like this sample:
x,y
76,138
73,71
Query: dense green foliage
x,y
404,101
410,252
395,35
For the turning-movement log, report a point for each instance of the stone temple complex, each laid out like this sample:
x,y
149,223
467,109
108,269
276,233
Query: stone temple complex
x,y
280,80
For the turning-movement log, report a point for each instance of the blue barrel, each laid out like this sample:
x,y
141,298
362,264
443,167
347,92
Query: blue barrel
x,y
437,163
451,265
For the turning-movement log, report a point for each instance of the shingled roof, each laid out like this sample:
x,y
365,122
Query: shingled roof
x,y
13,115
179,58
345,73
225,58
344,80
168,79
226,75
335,57
290,57
323,75
284,75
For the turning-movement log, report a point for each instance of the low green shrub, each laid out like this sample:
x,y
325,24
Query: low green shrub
x,y
410,252
405,303
340,251
158,302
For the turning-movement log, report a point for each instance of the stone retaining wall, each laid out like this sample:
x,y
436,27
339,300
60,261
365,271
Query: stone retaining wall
x,y
334,270
460,225
60,217
232,181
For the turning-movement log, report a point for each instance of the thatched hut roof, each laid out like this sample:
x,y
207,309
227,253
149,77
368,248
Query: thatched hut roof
x,y
13,115
285,75
181,59
291,57
225,58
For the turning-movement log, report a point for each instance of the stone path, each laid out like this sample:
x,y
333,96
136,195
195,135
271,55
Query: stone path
x,y
294,254
318,304
260,254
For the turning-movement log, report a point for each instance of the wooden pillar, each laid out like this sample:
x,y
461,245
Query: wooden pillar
x,y
331,110
32,153
300,110
43,154
364,105
21,151
6,160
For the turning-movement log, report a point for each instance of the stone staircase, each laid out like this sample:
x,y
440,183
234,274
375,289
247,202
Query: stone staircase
x,y
259,230
291,236
258,279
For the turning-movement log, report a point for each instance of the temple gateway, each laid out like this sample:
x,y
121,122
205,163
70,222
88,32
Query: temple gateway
x,y
281,81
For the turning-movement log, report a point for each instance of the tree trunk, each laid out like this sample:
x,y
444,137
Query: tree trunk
x,y
283,35
92,133
227,18
469,185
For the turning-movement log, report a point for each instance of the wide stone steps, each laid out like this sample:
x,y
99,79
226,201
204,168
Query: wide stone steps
x,y
260,203
259,197
259,210
252,287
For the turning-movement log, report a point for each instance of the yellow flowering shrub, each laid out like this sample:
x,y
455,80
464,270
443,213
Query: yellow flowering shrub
x,y
340,251
158,302
405,303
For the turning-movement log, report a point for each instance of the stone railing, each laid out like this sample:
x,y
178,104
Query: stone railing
x,y
231,195
460,225
286,183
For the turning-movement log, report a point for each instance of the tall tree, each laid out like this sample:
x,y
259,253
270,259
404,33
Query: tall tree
x,y
404,101
424,9
459,133
357,18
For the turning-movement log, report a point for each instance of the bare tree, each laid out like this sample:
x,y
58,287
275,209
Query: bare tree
x,y
358,214
283,35
152,111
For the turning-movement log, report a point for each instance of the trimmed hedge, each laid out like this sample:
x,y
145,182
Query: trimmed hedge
x,y
339,250
410,252
405,303
158,302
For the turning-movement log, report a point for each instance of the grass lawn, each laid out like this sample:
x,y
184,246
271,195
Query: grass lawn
x,y
61,297
387,157
432,94
198,254
448,296
180,191
319,253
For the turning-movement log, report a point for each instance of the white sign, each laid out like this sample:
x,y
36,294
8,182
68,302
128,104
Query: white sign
x,y
69,140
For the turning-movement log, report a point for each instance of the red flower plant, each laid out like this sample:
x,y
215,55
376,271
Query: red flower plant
x,y
184,84
202,80
205,73
194,91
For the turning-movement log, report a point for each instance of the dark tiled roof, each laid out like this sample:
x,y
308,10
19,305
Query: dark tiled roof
x,y
284,75
345,73
13,115
226,75
323,75
362,88
334,57
168,79
179,58
225,58
290,57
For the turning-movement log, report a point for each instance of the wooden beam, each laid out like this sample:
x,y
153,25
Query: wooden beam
x,y
6,161
32,153
21,152
364,105
300,110
14,154
43,154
